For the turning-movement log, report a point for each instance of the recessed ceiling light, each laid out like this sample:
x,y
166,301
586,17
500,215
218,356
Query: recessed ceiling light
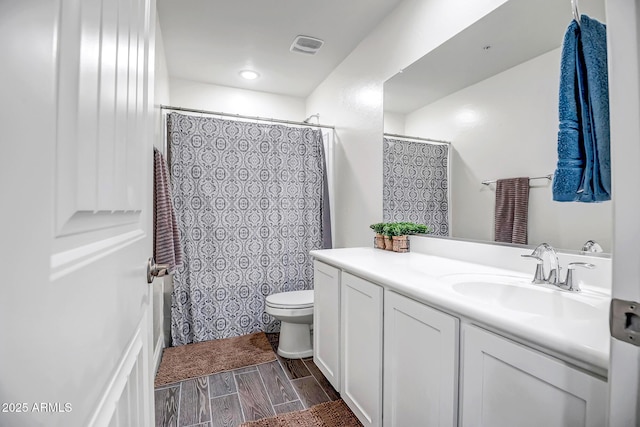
x,y
249,74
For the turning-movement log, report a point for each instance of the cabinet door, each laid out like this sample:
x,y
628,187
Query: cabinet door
x,y
420,364
326,321
505,384
361,334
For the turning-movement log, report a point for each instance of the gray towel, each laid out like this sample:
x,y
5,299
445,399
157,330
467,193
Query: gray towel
x,y
166,238
512,210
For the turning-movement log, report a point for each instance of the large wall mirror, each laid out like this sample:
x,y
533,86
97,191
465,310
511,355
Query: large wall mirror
x,y
492,92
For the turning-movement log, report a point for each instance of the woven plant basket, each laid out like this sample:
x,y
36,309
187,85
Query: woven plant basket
x,y
379,241
401,244
388,243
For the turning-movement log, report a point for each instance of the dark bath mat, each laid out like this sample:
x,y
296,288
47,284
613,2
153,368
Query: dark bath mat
x,y
329,414
208,357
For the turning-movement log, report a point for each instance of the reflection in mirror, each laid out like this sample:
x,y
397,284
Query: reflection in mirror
x,y
416,182
492,90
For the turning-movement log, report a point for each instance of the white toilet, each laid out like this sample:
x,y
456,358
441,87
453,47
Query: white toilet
x,y
295,312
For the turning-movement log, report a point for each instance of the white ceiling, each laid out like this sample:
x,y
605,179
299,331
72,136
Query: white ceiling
x,y
212,40
517,31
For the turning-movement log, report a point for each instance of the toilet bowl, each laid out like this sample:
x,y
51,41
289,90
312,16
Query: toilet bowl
x,y
295,312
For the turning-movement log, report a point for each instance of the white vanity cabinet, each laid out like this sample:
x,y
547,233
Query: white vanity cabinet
x,y
505,384
399,362
420,364
326,321
361,348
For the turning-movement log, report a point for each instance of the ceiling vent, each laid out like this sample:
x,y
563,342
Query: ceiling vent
x,y
307,45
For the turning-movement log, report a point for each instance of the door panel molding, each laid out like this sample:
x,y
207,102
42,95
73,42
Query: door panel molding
x,y
66,262
128,394
100,141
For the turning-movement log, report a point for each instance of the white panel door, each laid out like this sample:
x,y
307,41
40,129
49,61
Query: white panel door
x,y
361,343
76,84
326,321
623,26
420,364
505,384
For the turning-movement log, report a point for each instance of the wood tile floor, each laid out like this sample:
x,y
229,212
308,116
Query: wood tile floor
x,y
230,398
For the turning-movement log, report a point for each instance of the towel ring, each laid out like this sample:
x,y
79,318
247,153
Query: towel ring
x,y
576,12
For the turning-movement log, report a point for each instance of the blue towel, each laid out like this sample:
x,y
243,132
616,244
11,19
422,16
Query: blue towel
x,y
584,164
596,184
571,161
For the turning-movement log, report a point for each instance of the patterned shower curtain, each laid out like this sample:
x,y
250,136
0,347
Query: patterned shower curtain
x,y
416,183
250,201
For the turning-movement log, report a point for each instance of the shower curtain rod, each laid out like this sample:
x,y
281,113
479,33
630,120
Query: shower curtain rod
x,y
394,135
240,116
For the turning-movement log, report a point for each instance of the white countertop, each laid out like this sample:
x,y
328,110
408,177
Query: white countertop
x,y
581,340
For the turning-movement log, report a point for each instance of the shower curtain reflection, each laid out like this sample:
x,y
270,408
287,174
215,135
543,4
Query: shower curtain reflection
x,y
249,200
416,183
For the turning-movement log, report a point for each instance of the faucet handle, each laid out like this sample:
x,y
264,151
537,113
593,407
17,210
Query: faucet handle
x,y
591,246
538,277
568,284
573,265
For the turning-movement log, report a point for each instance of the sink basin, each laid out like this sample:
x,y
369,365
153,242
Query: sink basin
x,y
518,294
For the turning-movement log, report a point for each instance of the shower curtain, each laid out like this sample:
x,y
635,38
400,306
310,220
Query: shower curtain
x,y
250,202
416,183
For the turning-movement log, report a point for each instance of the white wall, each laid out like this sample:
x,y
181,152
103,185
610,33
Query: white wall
x,y
162,90
351,99
204,96
394,123
506,126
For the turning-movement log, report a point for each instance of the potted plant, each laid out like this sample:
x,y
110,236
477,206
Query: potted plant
x,y
400,237
379,239
401,232
393,236
388,231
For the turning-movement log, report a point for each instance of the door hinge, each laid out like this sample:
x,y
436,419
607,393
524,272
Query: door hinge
x,y
624,321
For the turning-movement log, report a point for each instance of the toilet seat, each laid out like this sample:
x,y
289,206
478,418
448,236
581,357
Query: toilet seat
x,y
291,300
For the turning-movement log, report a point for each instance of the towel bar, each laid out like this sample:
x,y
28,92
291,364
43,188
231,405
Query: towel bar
x,y
493,181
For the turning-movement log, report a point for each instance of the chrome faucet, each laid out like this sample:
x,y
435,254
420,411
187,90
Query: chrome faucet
x,y
544,254
591,246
